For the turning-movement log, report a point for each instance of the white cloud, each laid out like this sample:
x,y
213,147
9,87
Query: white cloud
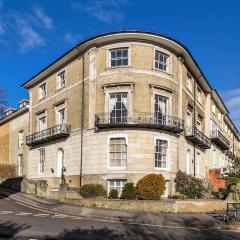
x,y
71,38
43,19
29,38
2,28
104,11
232,100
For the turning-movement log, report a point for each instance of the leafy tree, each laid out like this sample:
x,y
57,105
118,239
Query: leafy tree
x,y
3,102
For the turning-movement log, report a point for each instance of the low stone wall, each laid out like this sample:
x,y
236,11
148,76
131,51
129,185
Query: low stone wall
x,y
177,206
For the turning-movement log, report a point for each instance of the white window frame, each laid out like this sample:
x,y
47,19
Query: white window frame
x,y
166,52
123,182
117,46
162,63
58,79
41,162
59,108
20,165
40,93
168,152
199,95
188,162
108,149
189,83
163,93
39,116
198,164
119,89
20,139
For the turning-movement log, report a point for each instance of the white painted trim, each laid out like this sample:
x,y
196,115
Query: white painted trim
x,y
170,59
165,138
39,85
57,78
108,149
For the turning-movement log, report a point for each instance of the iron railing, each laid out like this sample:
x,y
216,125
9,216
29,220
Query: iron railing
x,y
220,140
58,131
197,137
139,119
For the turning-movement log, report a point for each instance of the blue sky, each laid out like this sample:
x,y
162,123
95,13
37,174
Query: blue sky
x,y
34,33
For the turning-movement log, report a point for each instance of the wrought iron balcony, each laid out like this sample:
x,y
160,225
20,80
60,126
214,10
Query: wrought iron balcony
x,y
197,137
218,138
49,134
139,119
230,154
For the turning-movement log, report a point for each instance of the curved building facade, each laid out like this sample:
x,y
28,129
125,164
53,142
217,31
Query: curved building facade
x,y
122,105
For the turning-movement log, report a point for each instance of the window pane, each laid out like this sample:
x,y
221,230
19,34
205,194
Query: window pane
x,y
118,152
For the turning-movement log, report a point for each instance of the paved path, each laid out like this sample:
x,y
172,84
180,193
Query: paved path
x,y
18,221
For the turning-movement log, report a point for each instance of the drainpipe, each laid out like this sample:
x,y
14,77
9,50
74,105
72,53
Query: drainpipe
x,y
82,117
194,126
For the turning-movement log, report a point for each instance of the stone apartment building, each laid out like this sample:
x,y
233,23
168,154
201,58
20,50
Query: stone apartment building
x,y
122,105
13,130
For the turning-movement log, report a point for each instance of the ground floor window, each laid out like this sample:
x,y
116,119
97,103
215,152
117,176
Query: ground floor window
x,y
20,165
118,152
42,160
116,184
161,153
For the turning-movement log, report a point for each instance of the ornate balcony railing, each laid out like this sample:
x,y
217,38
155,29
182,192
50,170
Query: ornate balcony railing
x,y
230,154
218,138
49,134
139,119
197,137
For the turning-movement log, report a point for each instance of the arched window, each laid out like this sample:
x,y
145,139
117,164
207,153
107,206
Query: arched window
x,y
60,161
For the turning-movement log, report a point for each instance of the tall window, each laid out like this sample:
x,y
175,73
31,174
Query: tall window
x,y
116,184
42,91
61,116
60,161
198,163
199,122
161,61
199,95
20,165
188,163
118,152
118,107
119,57
42,160
160,109
61,79
189,82
20,139
42,123
161,153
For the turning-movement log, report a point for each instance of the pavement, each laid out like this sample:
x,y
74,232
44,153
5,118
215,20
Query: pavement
x,y
24,216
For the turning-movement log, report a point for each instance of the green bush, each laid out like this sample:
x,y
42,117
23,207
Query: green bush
x,y
129,191
92,190
113,194
191,187
233,180
151,187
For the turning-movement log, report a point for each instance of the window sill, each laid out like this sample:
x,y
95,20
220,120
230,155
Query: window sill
x,y
118,67
41,99
161,169
59,89
117,168
161,71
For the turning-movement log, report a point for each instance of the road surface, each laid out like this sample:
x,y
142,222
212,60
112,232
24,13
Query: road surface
x,y
18,221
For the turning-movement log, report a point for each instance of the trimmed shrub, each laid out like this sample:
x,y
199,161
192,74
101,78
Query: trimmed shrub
x,y
129,191
151,187
233,180
189,186
113,194
92,190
